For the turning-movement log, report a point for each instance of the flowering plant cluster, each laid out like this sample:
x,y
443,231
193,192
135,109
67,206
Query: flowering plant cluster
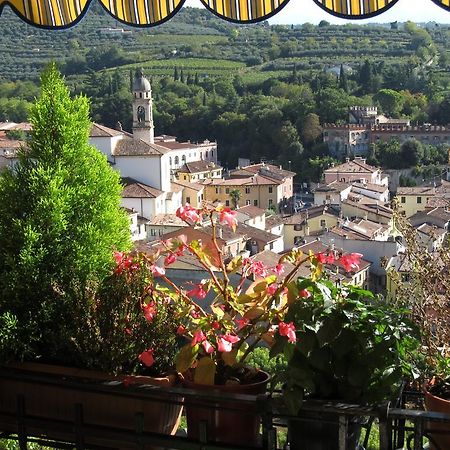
x,y
238,306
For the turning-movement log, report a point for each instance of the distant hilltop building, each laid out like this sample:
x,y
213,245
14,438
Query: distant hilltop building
x,y
365,126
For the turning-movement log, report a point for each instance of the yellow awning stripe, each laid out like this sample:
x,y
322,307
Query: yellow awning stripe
x,y
64,13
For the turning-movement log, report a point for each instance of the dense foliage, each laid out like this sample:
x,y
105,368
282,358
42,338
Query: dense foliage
x,y
60,220
261,91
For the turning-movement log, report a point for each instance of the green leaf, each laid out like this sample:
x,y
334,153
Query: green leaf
x,y
186,357
205,371
329,331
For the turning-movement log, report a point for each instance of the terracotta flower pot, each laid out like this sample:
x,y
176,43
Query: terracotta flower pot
x,y
50,392
227,422
437,404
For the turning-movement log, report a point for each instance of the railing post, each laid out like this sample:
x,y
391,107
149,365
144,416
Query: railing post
x,y
21,428
269,433
385,428
343,431
418,434
79,438
139,427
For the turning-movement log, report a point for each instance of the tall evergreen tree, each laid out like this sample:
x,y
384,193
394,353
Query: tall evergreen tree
x,y
60,221
175,74
343,80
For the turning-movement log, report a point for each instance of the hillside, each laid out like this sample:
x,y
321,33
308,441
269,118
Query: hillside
x,y
200,42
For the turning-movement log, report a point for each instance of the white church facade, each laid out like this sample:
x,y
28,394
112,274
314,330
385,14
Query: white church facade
x,y
147,162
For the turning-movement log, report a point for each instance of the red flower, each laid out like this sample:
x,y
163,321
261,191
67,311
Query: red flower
x,y
146,357
304,293
242,323
351,261
198,291
272,288
278,269
223,345
157,271
226,215
118,256
170,259
324,258
207,346
188,214
149,311
288,330
198,338
181,330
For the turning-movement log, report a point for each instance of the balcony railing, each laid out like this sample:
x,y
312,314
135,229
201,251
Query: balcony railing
x,y
401,426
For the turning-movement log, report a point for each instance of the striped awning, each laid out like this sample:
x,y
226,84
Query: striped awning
x,y
147,13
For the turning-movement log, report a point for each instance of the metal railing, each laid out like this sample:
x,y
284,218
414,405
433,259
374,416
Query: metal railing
x,y
405,426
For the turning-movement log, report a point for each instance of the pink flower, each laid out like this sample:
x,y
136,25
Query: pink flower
x,y
157,271
278,269
272,288
242,323
207,346
149,311
304,293
288,330
351,261
170,259
198,338
181,330
223,345
324,258
226,215
257,267
146,357
198,291
187,213
231,338
118,256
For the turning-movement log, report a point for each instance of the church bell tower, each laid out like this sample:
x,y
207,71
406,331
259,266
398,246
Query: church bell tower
x,y
143,127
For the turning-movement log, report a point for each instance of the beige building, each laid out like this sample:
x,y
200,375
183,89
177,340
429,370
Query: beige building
x,y
255,190
356,170
198,170
310,222
414,199
193,193
361,207
162,224
252,216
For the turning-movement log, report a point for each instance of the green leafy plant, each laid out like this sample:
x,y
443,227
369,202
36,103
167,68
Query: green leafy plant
x,y
350,346
60,220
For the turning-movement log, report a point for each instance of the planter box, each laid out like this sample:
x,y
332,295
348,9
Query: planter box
x,y
81,396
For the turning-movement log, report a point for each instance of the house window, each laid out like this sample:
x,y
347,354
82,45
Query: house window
x,y
177,160
217,190
188,200
247,202
323,223
153,232
227,202
227,190
270,202
270,189
403,200
247,190
297,227
419,199
255,202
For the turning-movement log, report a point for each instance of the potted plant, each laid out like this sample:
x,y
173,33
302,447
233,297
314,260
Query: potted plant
x,y
225,317
349,347
424,290
65,304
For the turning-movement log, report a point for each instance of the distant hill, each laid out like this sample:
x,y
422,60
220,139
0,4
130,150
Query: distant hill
x,y
200,42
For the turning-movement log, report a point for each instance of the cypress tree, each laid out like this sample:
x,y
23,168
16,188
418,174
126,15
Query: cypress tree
x,y
60,221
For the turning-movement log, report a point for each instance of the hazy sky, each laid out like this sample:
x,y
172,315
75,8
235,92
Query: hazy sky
x,y
300,11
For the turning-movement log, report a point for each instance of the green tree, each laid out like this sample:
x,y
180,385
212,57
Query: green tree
x,y
412,152
235,196
60,221
391,102
311,129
